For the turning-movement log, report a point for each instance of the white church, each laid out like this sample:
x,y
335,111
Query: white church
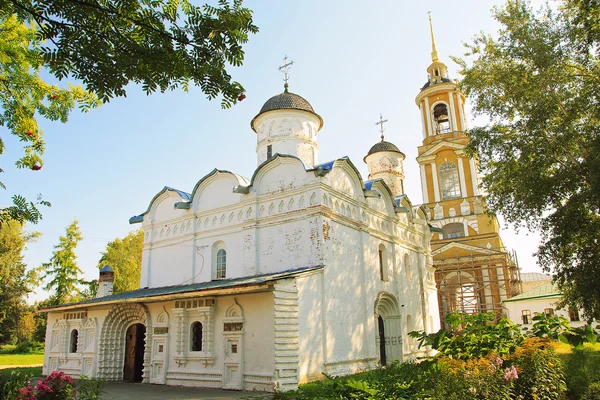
x,y
268,282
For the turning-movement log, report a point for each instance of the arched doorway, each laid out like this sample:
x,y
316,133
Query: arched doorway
x,y
389,330
134,353
112,341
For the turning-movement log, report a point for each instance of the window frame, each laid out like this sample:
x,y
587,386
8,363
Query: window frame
x,y
574,315
74,338
221,264
452,234
196,336
526,317
449,180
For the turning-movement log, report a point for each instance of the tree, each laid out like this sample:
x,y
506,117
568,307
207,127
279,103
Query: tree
x,y
539,83
124,256
63,270
160,44
15,281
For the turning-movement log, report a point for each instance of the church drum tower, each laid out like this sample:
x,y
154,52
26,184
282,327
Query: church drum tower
x,y
474,271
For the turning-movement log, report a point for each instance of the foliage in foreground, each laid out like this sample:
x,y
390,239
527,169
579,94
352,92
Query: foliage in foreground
x,y
59,386
472,336
533,371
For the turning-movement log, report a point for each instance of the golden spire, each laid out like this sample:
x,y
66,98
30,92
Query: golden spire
x,y
434,52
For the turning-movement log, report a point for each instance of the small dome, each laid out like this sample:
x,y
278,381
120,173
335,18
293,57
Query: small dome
x,y
383,146
287,100
106,268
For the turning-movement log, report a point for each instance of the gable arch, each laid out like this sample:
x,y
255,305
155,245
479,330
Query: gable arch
x,y
215,190
290,173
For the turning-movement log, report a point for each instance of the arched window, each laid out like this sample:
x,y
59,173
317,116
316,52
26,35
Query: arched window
x,y
441,119
455,230
221,264
196,336
73,343
449,181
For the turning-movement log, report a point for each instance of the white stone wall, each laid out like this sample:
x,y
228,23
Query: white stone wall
x,y
175,364
288,132
514,310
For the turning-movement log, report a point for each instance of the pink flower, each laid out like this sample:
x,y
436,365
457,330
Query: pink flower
x,y
511,374
499,361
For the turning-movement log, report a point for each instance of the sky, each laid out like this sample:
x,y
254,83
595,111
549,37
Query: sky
x,y
352,61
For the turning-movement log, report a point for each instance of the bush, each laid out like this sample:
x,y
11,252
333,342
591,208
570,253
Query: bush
x,y
10,384
592,392
90,388
540,371
480,378
59,386
472,336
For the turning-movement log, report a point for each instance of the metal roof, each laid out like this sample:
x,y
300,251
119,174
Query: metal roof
x,y
287,101
383,146
148,293
546,290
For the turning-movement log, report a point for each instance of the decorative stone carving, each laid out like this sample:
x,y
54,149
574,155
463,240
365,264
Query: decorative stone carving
x,y
438,211
111,348
465,207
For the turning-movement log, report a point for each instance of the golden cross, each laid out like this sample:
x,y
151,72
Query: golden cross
x,y
285,68
380,123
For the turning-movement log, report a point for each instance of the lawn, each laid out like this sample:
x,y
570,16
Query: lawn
x,y
21,359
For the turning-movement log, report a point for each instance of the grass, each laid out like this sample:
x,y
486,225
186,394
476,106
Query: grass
x,y
21,359
33,371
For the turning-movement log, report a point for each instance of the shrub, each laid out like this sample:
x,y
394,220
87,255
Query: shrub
x,y
10,384
480,378
472,336
592,392
90,388
540,371
56,386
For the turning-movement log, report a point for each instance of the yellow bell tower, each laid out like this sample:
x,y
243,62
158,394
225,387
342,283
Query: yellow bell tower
x,y
474,271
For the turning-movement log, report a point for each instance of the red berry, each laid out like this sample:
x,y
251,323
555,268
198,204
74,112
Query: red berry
x,y
241,97
53,96
36,167
29,133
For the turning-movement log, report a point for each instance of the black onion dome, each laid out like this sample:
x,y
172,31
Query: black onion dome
x,y
287,101
383,146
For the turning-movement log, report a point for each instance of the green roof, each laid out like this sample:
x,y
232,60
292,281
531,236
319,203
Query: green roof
x,y
194,287
546,290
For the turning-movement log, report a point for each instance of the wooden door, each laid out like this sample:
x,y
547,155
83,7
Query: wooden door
x,y
134,353
382,354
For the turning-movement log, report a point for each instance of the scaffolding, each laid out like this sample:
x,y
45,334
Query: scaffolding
x,y
477,282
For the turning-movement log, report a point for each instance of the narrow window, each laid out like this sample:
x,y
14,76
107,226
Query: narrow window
x,y
196,338
221,264
449,181
549,312
451,231
269,151
381,275
73,344
526,317
574,315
